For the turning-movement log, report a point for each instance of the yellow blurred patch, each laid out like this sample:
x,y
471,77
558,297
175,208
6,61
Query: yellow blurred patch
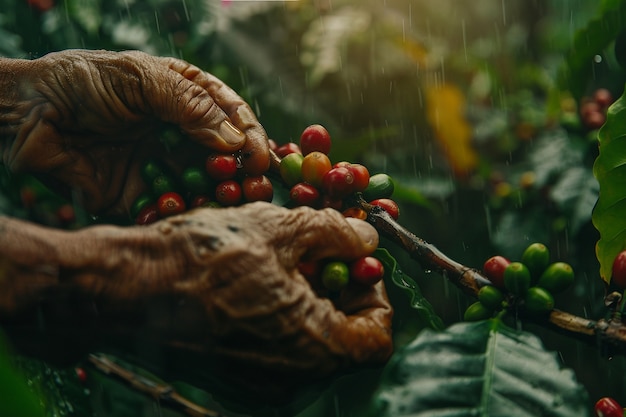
x,y
446,115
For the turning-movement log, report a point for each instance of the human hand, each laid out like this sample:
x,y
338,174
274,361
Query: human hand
x,y
224,282
86,120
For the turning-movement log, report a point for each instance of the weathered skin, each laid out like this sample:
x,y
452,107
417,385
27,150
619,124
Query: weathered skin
x,y
218,283
86,120
235,272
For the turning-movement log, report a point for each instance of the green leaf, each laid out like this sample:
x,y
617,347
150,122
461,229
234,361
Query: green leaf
x,y
426,314
478,369
610,171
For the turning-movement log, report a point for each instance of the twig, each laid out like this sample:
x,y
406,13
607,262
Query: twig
x,y
164,393
608,332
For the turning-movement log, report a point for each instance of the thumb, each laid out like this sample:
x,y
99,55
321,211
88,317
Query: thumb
x,y
174,98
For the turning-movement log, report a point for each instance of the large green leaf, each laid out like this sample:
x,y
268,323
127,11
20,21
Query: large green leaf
x,y
478,369
609,215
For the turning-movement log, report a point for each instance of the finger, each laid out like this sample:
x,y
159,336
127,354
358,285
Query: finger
x,y
308,234
175,98
362,326
255,152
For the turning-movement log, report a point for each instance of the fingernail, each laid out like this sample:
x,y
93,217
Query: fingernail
x,y
230,133
366,232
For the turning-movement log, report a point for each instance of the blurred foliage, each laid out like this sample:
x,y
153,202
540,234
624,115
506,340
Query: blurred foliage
x,y
512,164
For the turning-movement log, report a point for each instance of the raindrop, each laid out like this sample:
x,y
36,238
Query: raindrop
x,y
156,19
239,161
597,59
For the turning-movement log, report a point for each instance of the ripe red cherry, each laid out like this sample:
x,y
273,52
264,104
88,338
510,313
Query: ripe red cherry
x,y
147,215
608,407
303,194
170,203
388,205
361,176
221,166
338,182
81,374
199,201
66,214
315,138
494,269
310,269
619,270
257,188
228,193
41,5
366,271
288,148
603,97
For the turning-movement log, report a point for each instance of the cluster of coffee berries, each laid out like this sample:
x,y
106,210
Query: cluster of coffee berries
x,y
316,182
529,283
608,407
335,275
217,183
593,108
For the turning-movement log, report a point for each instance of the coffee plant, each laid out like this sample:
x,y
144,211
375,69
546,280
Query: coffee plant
x,y
514,168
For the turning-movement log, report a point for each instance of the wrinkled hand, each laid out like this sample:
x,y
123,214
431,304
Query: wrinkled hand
x,y
225,282
85,120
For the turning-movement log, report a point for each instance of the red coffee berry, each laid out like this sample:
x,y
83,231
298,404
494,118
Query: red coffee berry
x,y
228,193
257,188
221,166
81,374
147,215
594,120
338,182
66,214
494,267
314,166
344,164
170,203
303,194
199,201
388,205
366,271
361,176
588,106
288,148
608,407
619,270
315,138
310,269
603,97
